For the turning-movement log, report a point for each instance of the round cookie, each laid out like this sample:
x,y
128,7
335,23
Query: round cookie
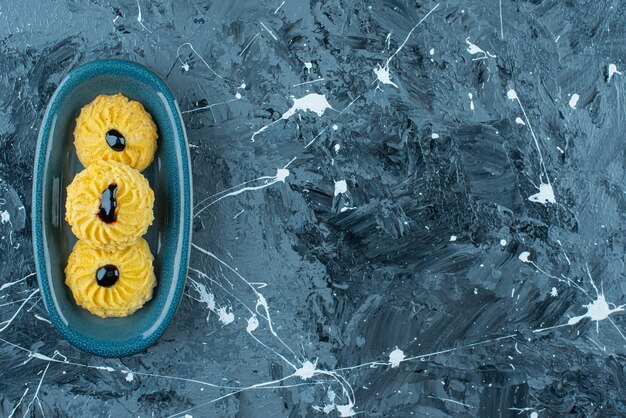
x,y
109,205
111,284
115,128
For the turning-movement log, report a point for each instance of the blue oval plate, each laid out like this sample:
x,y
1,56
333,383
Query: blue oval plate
x,y
169,236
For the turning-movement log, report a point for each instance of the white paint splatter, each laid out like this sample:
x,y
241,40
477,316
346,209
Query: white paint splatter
x,y
130,377
434,135
337,116
451,400
503,242
210,107
545,195
573,100
524,257
5,324
453,238
253,324
331,397
546,192
554,293
519,121
139,19
388,40
225,315
340,187
612,71
36,396
139,12
335,127
307,370
9,284
345,411
383,76
337,147
19,403
396,357
41,318
249,43
260,303
501,26
281,175
382,72
313,102
597,311
41,357
199,56
205,296
432,51
278,8
511,94
308,82
269,31
475,49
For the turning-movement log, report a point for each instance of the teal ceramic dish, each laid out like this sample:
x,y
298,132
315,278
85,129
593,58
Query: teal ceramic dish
x,y
169,236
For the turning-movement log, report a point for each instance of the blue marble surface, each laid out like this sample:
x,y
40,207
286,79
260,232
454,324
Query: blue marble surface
x,y
404,208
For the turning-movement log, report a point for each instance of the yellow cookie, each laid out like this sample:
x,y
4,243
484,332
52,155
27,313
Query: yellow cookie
x,y
115,128
109,205
111,283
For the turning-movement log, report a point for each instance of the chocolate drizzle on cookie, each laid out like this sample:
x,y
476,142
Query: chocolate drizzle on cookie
x,y
108,204
116,140
107,276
